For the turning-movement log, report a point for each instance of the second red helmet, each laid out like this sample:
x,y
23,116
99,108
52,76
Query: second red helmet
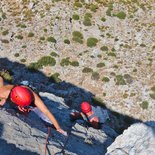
x,y
21,96
85,107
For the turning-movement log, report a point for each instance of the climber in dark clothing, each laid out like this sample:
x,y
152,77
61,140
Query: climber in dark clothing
x,y
23,97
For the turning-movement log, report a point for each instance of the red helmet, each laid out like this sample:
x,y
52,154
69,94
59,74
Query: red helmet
x,y
21,96
85,107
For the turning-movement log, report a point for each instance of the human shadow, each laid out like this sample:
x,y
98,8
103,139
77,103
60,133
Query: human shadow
x,y
71,94
7,148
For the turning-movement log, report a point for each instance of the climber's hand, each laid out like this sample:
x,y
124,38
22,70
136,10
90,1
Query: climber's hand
x,y
62,132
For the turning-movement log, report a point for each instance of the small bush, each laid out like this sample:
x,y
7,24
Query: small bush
x,y
23,60
95,76
77,34
153,88
45,30
111,54
65,62
6,75
42,38
19,37
120,80
109,10
144,105
77,37
152,96
91,42
100,65
55,78
30,34
51,39
4,33
93,7
22,25
54,54
103,19
44,61
76,17
77,4
5,41
87,22
121,15
16,55
66,41
24,46
88,15
105,79
104,48
74,63
87,70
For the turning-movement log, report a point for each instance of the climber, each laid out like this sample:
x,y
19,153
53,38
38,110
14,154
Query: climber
x,y
95,117
23,97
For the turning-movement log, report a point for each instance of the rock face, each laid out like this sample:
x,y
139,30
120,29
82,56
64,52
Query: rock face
x,y
26,135
139,139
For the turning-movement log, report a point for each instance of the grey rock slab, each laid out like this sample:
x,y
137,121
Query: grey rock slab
x,y
138,139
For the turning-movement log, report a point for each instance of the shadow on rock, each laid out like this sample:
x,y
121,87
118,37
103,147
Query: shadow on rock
x,y
7,148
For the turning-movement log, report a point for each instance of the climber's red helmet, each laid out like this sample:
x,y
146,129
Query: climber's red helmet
x,y
86,107
21,96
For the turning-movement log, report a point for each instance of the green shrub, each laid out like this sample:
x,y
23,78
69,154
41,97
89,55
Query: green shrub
x,y
16,55
104,48
95,76
30,34
121,15
74,63
6,75
22,25
111,54
91,42
5,41
152,96
77,37
77,34
55,78
87,22
77,4
54,54
4,33
105,79
19,37
42,38
23,60
109,10
24,46
44,61
65,62
100,65
66,41
88,15
51,39
76,17
93,7
45,30
153,88
120,80
144,105
103,19
87,70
